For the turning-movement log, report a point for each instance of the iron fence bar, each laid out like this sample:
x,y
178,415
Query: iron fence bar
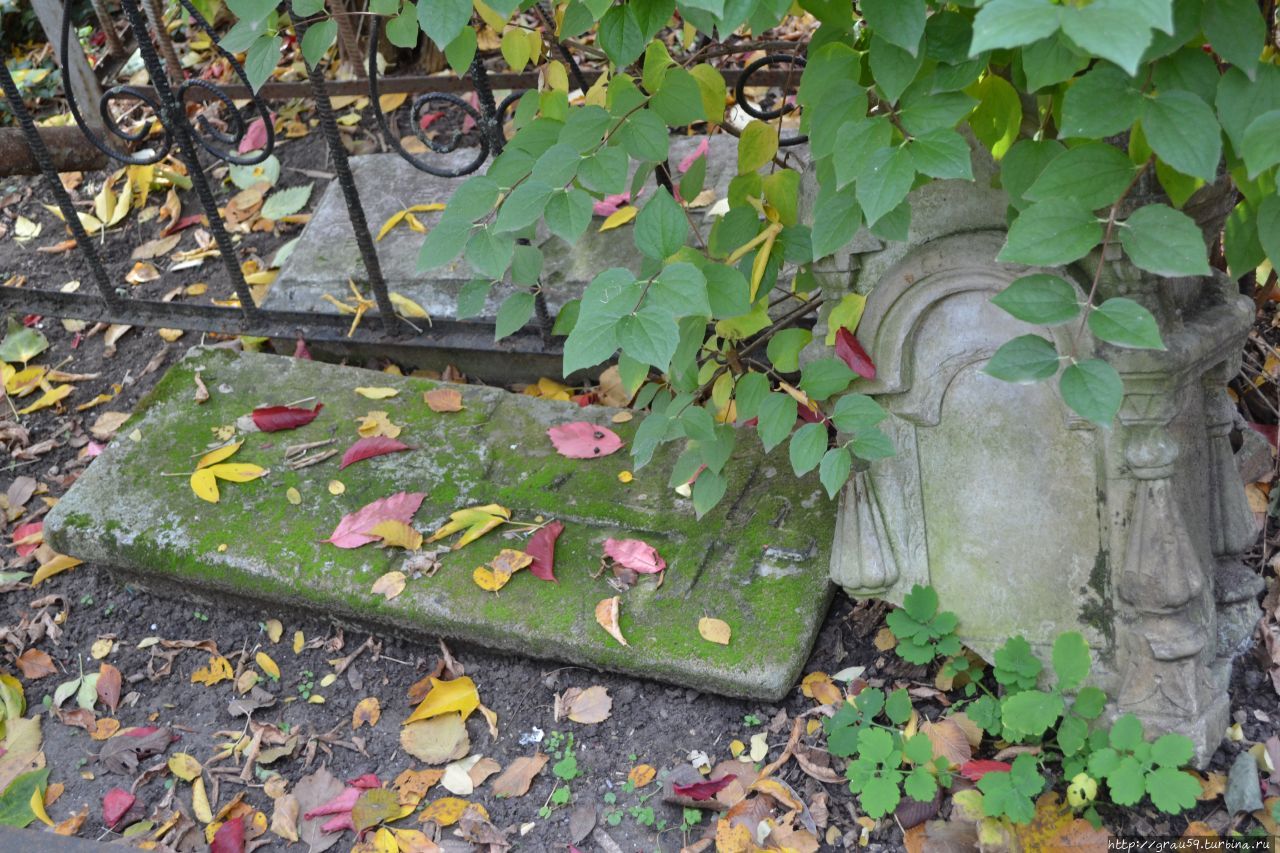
x,y
40,153
173,115
346,182
333,329
411,83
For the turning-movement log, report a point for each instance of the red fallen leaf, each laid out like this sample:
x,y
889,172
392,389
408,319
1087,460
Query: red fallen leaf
x,y
976,769
704,790
350,532
542,547
635,554
140,731
278,418
300,350
31,320
24,531
428,119
848,349
368,781
109,686
367,448
229,838
582,440
115,805
183,224
808,415
583,400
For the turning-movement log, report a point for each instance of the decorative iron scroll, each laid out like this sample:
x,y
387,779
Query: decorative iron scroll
x,y
221,144
744,80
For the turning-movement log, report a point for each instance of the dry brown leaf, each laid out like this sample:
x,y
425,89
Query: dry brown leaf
x,y
437,740
714,630
590,706
949,740
519,775
367,713
443,400
35,664
607,612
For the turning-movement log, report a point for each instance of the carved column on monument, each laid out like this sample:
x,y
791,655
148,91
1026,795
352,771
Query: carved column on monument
x,y
1234,529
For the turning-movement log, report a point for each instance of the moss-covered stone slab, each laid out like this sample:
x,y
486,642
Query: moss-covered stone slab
x,y
759,561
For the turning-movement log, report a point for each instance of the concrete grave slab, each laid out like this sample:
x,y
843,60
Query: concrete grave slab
x,y
326,255
759,561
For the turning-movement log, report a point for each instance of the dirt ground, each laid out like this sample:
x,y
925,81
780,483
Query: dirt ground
x,y
650,723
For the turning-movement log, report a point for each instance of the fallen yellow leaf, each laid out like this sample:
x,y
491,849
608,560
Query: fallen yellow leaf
x,y
219,669
391,584
205,485
378,393
200,802
619,217
396,534
641,775
459,694
218,454
367,713
184,766
267,665
56,566
48,398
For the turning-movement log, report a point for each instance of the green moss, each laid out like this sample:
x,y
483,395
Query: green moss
x,y
494,451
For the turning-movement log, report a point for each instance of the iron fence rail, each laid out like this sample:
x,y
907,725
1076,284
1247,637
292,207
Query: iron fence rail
x,y
171,129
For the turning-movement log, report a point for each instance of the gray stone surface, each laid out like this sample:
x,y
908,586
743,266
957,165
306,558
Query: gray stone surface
x,y
759,561
326,255
1030,521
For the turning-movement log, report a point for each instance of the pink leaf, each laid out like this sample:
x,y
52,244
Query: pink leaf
x,y
278,418
300,350
428,119
704,790
93,449
22,531
341,804
582,440
635,554
542,547
610,204
256,136
848,348
115,805
368,781
975,770
701,151
467,121
229,838
367,448
398,507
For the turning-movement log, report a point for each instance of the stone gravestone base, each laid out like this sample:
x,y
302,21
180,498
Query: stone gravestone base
x,y
759,561
326,257
1029,520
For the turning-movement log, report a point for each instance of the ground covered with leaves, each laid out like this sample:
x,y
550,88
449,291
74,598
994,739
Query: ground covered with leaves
x,y
181,724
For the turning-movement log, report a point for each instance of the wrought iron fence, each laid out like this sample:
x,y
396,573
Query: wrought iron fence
x,y
171,129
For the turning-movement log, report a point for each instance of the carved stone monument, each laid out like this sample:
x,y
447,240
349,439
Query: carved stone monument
x,y
1030,520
